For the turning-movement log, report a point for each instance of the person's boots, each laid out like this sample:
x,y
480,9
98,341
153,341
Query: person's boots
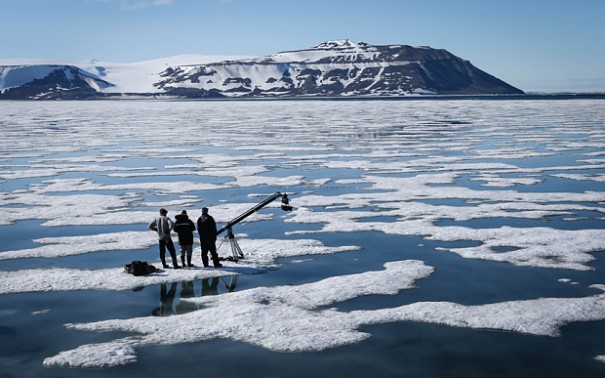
x,y
164,265
189,264
216,261
205,260
174,261
183,260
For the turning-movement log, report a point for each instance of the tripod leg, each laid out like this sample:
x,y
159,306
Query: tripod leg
x,y
239,250
236,251
233,249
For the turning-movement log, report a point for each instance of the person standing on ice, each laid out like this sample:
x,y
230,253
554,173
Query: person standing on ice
x,y
185,227
163,226
206,228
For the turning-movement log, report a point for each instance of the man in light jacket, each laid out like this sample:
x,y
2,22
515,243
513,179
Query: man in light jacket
x,y
163,226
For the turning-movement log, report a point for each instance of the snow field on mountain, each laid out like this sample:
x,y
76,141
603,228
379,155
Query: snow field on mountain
x,y
137,77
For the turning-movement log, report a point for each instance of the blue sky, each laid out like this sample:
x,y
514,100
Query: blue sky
x,y
532,44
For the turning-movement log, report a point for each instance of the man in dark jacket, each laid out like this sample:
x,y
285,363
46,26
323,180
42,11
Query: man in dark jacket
x,y
185,227
206,227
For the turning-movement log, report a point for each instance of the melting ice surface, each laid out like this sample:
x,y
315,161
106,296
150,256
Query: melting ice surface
x,y
398,205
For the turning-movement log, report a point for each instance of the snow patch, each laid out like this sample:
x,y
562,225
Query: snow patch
x,y
282,318
260,254
290,319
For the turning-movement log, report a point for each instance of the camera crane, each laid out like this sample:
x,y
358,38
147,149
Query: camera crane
x,y
235,248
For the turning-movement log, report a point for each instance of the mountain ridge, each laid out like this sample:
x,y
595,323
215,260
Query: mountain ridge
x,y
337,68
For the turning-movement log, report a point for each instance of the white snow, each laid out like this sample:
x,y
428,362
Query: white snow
x,y
260,254
95,356
146,77
290,318
63,279
282,318
583,177
137,77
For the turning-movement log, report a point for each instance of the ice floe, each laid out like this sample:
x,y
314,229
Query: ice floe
x,y
582,177
531,246
76,245
260,254
33,171
63,279
99,209
497,181
28,205
282,318
292,318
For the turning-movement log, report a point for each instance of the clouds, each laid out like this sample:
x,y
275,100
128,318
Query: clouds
x,y
141,4
129,5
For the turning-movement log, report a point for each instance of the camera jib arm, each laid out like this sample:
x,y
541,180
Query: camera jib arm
x,y
235,248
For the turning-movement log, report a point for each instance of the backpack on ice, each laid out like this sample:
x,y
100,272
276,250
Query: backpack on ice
x,y
139,268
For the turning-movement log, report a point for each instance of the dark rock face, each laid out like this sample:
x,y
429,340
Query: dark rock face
x,y
193,93
344,68
63,82
332,69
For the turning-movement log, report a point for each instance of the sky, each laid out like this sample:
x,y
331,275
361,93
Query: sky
x,y
535,45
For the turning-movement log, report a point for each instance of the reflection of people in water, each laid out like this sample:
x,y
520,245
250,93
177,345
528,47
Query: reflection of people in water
x,y
210,288
232,283
166,301
187,291
210,285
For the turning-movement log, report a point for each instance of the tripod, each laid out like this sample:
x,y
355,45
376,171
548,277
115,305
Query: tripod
x,y
236,251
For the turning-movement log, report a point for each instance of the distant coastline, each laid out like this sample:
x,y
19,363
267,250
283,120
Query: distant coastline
x,y
163,97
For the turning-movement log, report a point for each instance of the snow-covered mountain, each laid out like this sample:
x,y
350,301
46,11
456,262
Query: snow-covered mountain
x,y
340,68
43,79
49,81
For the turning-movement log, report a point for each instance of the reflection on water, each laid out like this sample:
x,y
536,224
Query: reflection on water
x,y
208,286
166,301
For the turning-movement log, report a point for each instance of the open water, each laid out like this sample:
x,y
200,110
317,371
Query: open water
x,y
503,200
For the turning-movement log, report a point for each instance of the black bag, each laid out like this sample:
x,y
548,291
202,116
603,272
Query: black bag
x,y
139,268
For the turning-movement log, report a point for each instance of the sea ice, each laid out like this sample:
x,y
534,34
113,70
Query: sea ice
x,y
410,169
260,254
281,318
291,318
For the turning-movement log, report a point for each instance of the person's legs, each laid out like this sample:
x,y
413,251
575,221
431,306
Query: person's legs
x,y
215,259
183,253
189,252
170,246
163,253
204,254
